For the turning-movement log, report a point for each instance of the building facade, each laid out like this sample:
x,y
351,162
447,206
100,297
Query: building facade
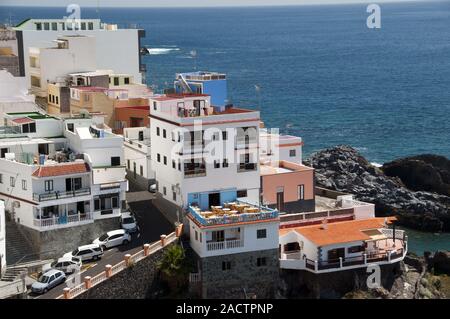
x,y
60,178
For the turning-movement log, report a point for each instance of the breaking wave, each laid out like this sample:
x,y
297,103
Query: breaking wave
x,y
159,51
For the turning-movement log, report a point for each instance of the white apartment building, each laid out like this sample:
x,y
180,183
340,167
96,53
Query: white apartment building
x,y
61,173
117,49
137,151
2,239
182,128
275,146
69,54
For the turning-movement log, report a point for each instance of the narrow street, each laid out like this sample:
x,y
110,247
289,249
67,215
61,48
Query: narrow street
x,y
151,225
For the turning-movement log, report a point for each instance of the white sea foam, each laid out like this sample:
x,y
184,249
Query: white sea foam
x,y
159,51
376,164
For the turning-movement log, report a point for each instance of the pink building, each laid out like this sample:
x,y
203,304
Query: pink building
x,y
288,186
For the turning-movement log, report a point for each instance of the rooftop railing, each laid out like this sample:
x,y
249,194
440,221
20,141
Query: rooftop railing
x,y
264,213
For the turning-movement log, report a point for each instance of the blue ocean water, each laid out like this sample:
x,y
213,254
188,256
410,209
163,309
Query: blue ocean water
x,y
324,75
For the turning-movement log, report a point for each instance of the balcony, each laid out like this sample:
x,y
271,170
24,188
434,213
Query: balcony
x,y
63,221
236,212
387,251
226,244
247,167
195,172
61,195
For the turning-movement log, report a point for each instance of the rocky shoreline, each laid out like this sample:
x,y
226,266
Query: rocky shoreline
x,y
419,203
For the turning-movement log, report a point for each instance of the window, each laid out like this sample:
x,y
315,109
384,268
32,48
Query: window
x,y
157,131
224,135
54,26
57,101
70,127
165,160
301,192
115,202
141,170
128,163
1,178
154,106
225,163
174,196
83,25
126,80
90,25
164,133
174,165
216,164
116,81
49,98
158,157
46,26
33,127
261,261
48,185
226,265
179,166
115,161
196,235
261,233
242,193
3,151
141,135
24,184
355,249
97,204
164,190
12,181
292,153
39,26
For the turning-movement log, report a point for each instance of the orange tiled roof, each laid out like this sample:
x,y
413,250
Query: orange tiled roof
x,y
61,169
339,232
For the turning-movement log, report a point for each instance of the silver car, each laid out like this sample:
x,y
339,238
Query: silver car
x,y
67,264
48,280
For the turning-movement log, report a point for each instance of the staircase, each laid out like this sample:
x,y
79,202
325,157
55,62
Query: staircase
x,y
12,274
18,249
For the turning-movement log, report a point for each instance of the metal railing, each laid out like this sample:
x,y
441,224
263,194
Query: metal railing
x,y
61,194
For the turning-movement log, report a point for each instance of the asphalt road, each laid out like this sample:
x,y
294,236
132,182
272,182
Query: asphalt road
x,y
151,225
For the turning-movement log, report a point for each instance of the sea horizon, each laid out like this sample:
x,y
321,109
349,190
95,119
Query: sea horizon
x,y
323,74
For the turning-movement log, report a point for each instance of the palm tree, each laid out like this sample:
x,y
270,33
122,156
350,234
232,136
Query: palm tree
x,y
174,267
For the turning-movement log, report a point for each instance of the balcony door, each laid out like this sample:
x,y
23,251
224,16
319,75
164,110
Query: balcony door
x,y
280,199
73,184
214,199
218,235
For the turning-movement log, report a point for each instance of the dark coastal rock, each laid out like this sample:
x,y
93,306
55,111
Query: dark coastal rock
x,y
441,262
343,169
426,172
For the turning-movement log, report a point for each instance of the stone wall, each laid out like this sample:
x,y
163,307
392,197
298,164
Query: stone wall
x,y
54,243
140,281
243,275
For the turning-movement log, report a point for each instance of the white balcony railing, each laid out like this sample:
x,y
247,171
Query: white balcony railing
x,y
62,220
226,244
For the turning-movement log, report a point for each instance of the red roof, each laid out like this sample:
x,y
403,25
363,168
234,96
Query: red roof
x,y
61,169
23,120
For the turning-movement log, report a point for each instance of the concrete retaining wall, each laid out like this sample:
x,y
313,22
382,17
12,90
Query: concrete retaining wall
x,y
54,243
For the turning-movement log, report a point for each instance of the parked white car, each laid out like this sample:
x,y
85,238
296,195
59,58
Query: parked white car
x,y
48,281
86,252
128,222
68,265
113,238
152,188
